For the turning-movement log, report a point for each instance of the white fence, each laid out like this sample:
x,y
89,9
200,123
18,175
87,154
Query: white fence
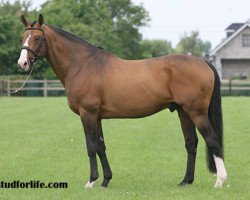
x,y
228,87
8,85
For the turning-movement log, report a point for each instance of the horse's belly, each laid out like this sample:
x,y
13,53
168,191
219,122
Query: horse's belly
x,y
132,109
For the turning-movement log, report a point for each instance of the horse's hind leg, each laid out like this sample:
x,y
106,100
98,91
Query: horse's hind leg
x,y
191,141
101,151
204,126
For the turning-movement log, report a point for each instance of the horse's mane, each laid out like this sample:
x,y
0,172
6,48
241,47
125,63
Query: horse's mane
x,y
71,36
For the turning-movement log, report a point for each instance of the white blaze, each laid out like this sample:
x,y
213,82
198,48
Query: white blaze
x,y
22,61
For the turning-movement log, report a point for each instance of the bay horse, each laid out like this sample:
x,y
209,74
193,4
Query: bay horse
x,y
100,85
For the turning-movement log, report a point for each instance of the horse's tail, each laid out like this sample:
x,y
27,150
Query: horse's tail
x,y
215,117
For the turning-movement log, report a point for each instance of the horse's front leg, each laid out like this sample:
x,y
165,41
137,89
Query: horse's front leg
x,y
89,122
101,151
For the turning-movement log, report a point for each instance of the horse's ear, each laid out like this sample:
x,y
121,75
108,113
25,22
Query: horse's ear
x,y
24,21
40,20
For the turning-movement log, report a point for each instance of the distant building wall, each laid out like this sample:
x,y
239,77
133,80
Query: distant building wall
x,y
235,68
234,48
233,59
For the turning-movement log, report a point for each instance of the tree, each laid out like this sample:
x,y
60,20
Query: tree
x,y
155,48
193,45
127,18
10,34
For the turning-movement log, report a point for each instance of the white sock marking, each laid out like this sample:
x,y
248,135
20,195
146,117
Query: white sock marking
x,y
90,184
221,171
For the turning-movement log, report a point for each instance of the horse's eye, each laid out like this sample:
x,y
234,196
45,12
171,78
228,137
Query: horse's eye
x,y
37,38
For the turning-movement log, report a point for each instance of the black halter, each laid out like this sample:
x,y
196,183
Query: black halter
x,y
37,50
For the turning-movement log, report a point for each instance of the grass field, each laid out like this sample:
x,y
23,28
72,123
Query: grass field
x,y
41,139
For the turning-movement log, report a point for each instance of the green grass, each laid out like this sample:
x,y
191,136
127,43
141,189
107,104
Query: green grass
x,y
41,139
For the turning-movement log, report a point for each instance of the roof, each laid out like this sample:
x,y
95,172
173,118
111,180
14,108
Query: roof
x,y
234,26
223,43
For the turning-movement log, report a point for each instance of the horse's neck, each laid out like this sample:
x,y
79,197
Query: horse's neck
x,y
65,56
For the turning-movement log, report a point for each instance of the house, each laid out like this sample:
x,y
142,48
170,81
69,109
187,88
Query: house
x,y
232,57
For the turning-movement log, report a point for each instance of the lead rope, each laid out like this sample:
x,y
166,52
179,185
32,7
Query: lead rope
x,y
18,89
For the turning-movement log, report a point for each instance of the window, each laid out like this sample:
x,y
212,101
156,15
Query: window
x,y
246,40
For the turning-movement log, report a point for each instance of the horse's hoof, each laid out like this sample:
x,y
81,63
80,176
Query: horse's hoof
x,y
185,183
219,182
90,184
105,183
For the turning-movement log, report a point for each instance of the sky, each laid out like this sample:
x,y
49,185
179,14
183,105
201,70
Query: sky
x,y
170,19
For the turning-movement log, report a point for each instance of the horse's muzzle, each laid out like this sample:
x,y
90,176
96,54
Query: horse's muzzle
x,y
26,65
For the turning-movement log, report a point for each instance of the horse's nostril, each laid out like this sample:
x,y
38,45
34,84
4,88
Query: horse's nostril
x,y
25,63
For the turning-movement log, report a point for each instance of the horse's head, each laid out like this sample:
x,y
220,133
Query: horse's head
x,y
33,43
